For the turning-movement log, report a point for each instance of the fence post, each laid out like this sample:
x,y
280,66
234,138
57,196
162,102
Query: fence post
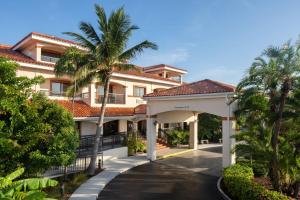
x,y
84,162
99,163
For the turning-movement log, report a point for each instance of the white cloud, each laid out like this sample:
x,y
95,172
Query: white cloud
x,y
172,57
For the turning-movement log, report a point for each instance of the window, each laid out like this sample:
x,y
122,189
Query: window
x,y
59,88
139,91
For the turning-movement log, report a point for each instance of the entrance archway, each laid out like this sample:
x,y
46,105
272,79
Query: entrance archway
x,y
184,103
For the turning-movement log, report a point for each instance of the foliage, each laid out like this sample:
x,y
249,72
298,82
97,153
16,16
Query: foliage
x,y
176,137
35,133
28,189
71,183
209,127
135,143
268,114
238,181
106,51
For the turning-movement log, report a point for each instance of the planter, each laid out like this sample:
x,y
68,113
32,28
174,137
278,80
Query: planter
x,y
223,194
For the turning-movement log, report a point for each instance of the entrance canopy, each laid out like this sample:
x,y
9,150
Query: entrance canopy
x,y
184,103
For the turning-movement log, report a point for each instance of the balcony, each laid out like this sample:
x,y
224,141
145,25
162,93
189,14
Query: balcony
x,y
113,98
47,58
46,92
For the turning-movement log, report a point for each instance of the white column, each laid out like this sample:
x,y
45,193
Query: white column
x,y
135,126
228,129
193,139
151,138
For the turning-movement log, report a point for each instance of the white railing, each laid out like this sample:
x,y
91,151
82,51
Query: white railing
x,y
113,98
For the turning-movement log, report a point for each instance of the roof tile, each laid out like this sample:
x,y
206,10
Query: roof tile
x,y
200,87
82,109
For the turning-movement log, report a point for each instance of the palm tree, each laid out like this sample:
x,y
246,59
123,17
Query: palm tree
x,y
71,64
273,75
106,51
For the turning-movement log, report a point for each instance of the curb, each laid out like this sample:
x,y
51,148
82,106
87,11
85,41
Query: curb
x,y
224,196
91,189
175,154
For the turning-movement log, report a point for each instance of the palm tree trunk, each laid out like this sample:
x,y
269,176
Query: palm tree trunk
x,y
99,130
74,93
275,138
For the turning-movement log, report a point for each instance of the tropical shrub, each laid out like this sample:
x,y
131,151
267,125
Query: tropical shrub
x,y
30,188
135,143
35,133
175,137
238,181
268,112
209,127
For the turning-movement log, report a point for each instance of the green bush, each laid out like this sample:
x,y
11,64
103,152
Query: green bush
x,y
239,183
176,137
135,144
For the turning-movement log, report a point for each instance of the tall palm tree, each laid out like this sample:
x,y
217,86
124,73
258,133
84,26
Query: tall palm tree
x,y
106,51
71,64
273,74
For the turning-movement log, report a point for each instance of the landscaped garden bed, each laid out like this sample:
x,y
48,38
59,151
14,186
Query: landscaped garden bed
x,y
71,183
239,184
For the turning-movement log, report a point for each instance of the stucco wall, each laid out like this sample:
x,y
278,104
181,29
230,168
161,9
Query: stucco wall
x,y
121,152
88,128
122,125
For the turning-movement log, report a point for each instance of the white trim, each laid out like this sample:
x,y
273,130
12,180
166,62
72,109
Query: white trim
x,y
105,118
32,65
145,79
24,41
190,96
166,68
48,40
53,41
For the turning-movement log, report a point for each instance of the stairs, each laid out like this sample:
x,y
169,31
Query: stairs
x,y
160,144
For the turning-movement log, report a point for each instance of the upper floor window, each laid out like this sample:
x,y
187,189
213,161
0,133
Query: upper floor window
x,y
50,56
59,88
139,91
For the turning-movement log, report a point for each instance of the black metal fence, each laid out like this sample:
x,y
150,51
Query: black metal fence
x,y
84,153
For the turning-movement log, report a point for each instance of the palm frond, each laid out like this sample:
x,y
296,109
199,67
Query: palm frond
x,y
137,49
90,32
82,40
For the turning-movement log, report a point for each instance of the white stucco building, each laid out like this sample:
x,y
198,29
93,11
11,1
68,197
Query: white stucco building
x,y
143,99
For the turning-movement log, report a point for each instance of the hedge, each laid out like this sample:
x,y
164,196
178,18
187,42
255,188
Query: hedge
x,y
238,181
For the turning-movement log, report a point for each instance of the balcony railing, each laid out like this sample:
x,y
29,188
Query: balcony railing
x,y
113,98
49,59
63,94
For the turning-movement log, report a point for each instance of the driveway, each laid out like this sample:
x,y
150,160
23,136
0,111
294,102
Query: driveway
x,y
187,176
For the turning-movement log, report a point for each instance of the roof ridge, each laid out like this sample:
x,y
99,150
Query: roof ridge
x,y
221,84
204,86
6,46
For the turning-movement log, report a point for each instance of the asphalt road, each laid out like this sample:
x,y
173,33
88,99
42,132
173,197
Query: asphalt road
x,y
187,176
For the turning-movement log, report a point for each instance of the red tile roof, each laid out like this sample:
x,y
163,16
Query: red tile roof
x,y
7,52
140,109
201,87
82,109
146,75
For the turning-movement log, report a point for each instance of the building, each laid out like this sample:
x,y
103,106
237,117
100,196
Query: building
x,y
37,54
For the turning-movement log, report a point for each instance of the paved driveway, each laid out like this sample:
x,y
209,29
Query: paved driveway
x,y
188,176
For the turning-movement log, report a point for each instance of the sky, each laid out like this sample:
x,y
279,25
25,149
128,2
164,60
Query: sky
x,y
215,39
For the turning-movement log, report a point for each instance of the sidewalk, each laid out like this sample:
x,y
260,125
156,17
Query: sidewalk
x,y
92,187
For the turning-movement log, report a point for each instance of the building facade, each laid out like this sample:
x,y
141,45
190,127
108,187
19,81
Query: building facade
x,y
37,54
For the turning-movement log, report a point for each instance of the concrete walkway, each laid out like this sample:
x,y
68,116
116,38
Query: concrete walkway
x,y
92,187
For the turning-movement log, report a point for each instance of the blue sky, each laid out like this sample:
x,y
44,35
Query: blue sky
x,y
216,39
